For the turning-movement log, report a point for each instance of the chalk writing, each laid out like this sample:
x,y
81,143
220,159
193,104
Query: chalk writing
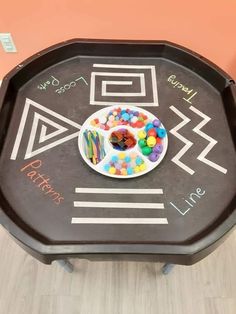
x,y
52,81
176,84
191,200
70,85
188,99
41,181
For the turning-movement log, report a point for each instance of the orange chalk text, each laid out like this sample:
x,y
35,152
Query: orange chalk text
x,y
41,180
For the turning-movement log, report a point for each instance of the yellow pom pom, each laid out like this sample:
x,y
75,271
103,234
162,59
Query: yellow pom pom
x,y
142,134
151,141
121,155
142,167
136,169
112,170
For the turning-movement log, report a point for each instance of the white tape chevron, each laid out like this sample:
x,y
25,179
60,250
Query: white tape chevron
x,y
212,142
188,144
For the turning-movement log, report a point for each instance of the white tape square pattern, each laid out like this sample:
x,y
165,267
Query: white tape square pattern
x,y
128,75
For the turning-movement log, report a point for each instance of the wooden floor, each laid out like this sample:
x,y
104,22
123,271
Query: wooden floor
x,y
29,287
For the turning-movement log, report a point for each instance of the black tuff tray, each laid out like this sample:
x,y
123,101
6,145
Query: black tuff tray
x,y
55,91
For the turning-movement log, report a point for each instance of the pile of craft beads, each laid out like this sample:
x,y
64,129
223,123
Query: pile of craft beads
x,y
125,164
94,146
150,140
122,139
121,116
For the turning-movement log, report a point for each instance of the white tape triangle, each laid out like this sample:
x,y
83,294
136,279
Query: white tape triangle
x,y
44,135
66,127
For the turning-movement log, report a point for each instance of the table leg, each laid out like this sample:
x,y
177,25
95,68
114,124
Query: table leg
x,y
66,265
167,268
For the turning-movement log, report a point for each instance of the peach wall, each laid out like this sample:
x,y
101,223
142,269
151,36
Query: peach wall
x,y
208,27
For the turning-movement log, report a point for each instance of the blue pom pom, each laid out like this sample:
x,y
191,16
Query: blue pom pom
x,y
148,127
129,170
139,161
114,158
161,132
107,167
126,116
127,159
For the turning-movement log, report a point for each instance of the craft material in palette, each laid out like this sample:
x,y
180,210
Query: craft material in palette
x,y
123,141
94,146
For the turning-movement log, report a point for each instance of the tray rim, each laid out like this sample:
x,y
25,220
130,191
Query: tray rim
x,y
43,246
164,43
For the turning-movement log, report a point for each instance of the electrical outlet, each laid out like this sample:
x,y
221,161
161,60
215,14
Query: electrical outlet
x,y
7,42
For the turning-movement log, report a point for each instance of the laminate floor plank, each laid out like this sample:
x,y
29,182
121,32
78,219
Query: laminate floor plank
x,y
118,287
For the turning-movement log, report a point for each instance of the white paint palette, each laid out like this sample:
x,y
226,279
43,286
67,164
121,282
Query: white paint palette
x,y
127,163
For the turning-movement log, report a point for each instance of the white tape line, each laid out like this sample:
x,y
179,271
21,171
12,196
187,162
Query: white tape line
x,y
120,221
119,205
118,191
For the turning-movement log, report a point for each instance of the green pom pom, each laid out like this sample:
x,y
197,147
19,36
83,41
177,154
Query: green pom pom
x,y
142,143
146,150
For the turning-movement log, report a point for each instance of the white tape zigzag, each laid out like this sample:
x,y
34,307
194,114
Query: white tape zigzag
x,y
212,142
187,143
